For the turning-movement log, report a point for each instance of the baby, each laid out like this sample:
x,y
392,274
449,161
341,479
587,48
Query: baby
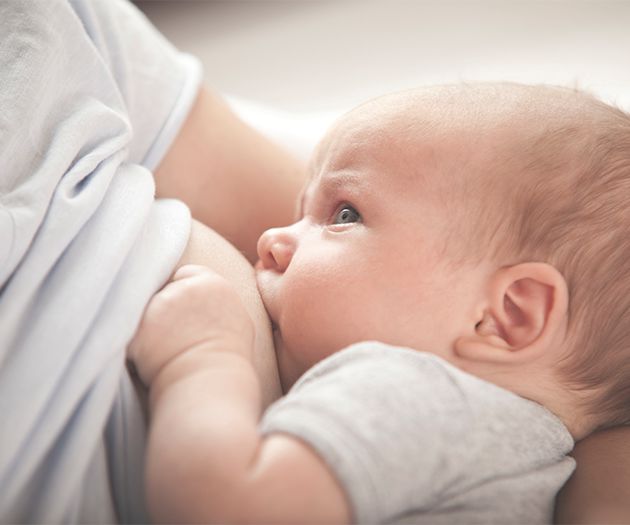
x,y
450,313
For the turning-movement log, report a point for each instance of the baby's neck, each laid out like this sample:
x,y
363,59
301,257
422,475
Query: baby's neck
x,y
565,405
544,388
577,423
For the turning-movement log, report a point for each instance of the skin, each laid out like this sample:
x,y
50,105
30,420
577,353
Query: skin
x,y
395,169
330,279
373,218
233,198
598,490
239,196
209,249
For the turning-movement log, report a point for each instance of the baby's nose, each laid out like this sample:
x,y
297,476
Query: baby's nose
x,y
275,249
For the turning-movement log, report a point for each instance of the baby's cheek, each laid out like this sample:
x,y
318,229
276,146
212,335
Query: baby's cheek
x,y
314,332
324,305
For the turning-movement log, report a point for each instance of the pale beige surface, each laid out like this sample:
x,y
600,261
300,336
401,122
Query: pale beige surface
x,y
315,55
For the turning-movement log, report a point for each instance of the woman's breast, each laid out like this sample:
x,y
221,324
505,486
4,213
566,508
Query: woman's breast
x,y
208,248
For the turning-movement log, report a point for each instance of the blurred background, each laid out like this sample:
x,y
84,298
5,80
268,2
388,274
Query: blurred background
x,y
325,56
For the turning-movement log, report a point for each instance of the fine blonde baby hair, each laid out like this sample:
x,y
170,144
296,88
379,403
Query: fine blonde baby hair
x,y
568,204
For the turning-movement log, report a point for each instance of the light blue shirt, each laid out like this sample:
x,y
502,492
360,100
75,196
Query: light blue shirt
x,y
91,97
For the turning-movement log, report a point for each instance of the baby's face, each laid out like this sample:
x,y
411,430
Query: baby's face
x,y
366,259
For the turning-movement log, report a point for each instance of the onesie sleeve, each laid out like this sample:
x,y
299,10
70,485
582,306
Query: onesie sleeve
x,y
379,416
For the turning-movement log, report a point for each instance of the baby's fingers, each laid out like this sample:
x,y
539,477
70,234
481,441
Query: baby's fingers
x,y
181,281
190,270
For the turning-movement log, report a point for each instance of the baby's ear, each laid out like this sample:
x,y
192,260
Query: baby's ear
x,y
525,312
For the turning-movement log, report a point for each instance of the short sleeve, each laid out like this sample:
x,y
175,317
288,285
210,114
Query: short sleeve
x,y
379,416
157,82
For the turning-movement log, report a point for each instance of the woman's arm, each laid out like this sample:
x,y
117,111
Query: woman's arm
x,y
239,184
599,490
232,178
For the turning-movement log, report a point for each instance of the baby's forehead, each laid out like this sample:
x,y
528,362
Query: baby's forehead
x,y
461,134
402,132
386,155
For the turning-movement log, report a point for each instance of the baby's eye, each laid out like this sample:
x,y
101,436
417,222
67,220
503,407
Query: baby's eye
x,y
346,215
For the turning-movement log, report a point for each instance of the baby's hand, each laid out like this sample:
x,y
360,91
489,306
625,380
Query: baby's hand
x,y
197,308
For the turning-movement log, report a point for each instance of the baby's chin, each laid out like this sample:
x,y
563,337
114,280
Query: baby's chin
x,y
287,369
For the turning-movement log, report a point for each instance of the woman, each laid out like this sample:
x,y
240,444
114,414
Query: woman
x,y
93,102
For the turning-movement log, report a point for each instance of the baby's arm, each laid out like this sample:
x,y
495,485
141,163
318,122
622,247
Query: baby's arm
x,y
599,490
232,178
206,461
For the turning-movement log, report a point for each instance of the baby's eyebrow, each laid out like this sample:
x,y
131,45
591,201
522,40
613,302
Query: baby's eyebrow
x,y
329,184
333,181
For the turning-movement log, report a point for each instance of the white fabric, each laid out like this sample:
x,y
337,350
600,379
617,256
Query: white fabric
x,y
90,97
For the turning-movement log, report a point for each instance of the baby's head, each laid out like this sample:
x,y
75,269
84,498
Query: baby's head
x,y
487,224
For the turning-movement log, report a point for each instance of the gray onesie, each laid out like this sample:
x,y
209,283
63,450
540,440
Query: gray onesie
x,y
413,439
